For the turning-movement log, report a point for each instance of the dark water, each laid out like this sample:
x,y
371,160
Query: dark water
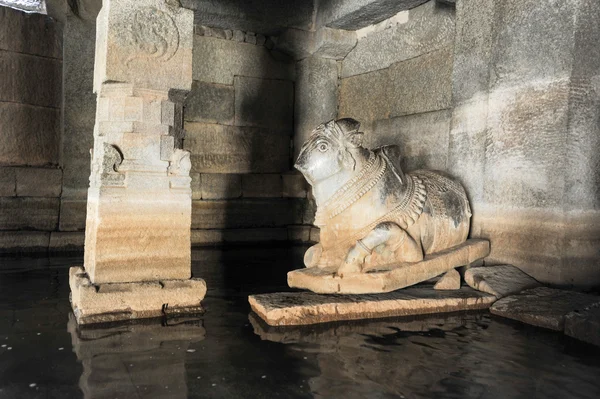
x,y
227,354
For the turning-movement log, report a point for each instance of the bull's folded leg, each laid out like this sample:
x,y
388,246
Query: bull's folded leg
x,y
385,244
312,256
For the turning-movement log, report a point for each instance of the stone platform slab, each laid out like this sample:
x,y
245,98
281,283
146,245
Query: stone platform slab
x,y
325,281
302,308
543,307
123,301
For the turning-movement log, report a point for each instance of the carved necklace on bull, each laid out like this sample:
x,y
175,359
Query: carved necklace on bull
x,y
356,187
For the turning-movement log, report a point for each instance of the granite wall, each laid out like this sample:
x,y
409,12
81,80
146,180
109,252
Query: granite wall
x,y
239,124
30,139
503,95
525,132
398,83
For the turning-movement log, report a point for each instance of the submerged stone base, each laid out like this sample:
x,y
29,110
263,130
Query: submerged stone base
x,y
301,308
325,281
123,301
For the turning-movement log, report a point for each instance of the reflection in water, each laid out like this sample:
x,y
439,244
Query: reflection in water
x,y
470,355
433,356
141,359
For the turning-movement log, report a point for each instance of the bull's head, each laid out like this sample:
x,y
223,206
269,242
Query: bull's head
x,y
330,150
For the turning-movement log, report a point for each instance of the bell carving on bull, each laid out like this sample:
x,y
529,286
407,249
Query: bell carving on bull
x,y
381,228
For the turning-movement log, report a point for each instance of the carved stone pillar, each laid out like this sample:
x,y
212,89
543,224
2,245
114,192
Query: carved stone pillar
x,y
137,245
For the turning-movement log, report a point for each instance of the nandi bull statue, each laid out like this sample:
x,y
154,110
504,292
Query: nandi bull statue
x,y
381,229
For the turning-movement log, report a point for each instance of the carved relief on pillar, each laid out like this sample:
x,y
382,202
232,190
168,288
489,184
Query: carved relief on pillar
x,y
147,43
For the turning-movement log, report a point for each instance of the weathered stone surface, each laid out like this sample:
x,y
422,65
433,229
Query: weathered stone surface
x,y
66,241
33,34
229,149
324,279
30,80
542,306
449,281
423,138
366,97
263,185
234,236
38,182
79,111
300,308
472,49
221,186
126,49
28,213
72,214
528,39
23,241
294,186
333,43
264,103
245,213
429,28
210,103
262,16
94,303
30,135
299,233
316,97
585,324
520,167
499,281
353,15
429,87
218,61
297,43
315,234
8,182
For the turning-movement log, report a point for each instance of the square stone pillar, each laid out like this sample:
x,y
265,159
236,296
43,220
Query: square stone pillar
x,y
137,246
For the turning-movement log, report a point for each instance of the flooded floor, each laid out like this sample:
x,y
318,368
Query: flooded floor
x,y
228,353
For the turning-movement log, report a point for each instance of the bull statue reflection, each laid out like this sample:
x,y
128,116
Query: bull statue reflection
x,y
373,216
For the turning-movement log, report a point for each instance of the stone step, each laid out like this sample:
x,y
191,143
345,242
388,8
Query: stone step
x,y
302,308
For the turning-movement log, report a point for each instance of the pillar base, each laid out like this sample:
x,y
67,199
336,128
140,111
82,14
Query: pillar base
x,y
109,302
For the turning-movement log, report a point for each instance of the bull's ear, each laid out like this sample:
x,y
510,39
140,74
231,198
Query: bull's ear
x,y
356,139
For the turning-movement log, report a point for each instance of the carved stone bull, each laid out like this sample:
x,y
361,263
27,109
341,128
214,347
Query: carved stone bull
x,y
370,212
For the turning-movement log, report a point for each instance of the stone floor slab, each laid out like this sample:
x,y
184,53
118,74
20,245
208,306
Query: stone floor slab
x,y
302,308
584,325
325,281
543,307
501,281
124,301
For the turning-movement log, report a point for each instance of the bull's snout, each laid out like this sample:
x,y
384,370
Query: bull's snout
x,y
301,162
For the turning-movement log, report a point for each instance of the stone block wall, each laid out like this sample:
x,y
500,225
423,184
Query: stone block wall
x,y
504,96
30,140
398,83
524,132
239,125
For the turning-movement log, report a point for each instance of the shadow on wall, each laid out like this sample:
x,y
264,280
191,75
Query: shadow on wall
x,y
239,121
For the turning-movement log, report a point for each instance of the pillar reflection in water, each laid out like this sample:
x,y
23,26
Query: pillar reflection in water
x,y
145,358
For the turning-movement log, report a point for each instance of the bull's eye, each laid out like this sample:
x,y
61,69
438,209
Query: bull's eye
x,y
323,146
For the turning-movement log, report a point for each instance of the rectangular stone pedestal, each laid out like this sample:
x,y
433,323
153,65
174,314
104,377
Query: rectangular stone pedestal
x,y
325,280
101,303
301,308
